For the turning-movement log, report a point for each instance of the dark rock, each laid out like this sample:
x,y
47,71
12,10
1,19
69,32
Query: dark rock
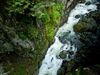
x,y
89,9
98,1
85,25
88,3
63,54
88,33
88,30
96,16
77,16
63,69
98,6
71,52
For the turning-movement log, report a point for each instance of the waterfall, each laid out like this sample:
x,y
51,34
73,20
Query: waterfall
x,y
65,40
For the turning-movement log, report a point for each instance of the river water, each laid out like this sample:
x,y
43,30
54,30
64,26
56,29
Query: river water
x,y
65,40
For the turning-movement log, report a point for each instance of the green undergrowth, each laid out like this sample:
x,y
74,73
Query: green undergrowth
x,y
36,21
19,67
48,12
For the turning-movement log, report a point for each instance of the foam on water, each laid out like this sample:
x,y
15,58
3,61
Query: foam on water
x,y
51,62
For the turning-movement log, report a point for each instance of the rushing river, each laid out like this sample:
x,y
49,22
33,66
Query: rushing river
x,y
65,40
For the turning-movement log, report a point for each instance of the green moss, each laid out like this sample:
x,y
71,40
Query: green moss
x,y
80,27
32,32
86,24
49,13
56,13
50,31
20,66
20,70
52,19
22,36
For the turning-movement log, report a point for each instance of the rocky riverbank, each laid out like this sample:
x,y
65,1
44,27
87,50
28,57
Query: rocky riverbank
x,y
86,61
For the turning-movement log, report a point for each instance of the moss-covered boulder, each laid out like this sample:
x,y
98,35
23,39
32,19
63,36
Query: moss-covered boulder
x,y
86,24
63,54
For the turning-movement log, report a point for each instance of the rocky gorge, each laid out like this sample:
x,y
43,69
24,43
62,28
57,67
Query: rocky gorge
x,y
27,32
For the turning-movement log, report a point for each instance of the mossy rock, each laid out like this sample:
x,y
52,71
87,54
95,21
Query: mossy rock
x,y
87,24
63,54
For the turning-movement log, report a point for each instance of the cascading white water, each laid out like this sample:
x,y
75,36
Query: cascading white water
x,y
52,62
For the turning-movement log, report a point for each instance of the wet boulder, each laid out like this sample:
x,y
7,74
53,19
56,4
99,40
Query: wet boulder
x,y
88,3
63,54
98,6
86,24
77,16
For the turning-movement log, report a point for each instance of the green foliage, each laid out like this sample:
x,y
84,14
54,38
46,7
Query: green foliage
x,y
31,8
24,13
32,32
42,10
18,6
51,19
48,12
50,31
56,13
52,13
19,66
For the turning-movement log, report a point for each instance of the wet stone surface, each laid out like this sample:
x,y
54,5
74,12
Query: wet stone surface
x,y
88,3
63,54
77,16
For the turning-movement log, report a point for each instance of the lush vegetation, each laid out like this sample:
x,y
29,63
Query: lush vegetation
x,y
33,20
48,13
27,29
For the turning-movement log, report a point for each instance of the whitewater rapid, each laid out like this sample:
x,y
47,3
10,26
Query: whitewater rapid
x,y
52,62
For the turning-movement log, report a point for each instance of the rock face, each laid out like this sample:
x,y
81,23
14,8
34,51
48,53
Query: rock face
x,y
10,41
88,32
89,35
68,5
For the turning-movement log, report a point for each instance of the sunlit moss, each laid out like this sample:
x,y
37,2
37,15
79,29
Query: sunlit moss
x,y
50,31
